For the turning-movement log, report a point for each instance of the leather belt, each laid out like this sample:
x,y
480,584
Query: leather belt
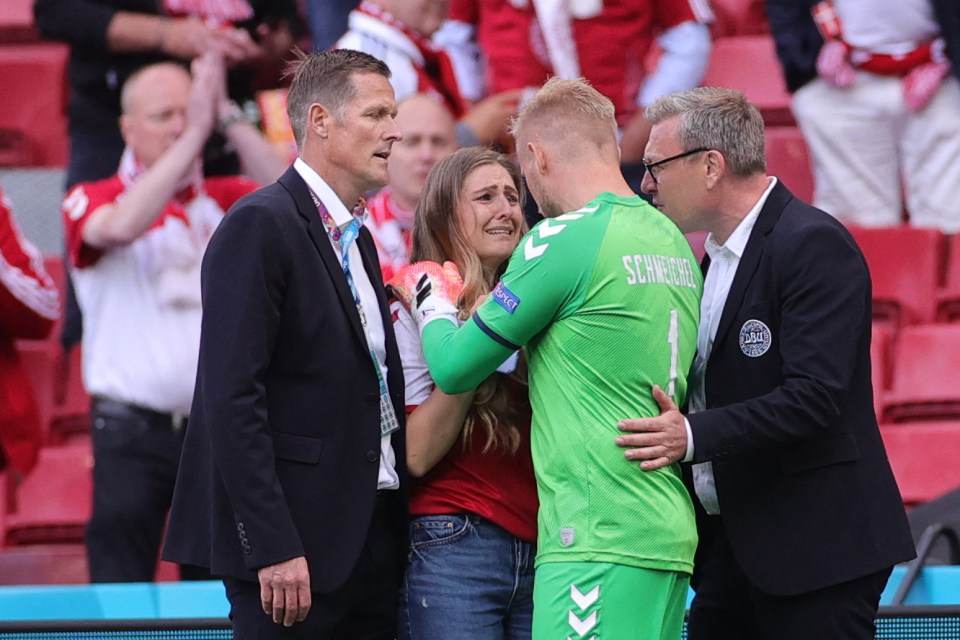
x,y
157,419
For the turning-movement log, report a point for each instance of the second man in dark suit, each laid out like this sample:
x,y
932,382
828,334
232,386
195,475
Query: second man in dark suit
x,y
799,516
292,481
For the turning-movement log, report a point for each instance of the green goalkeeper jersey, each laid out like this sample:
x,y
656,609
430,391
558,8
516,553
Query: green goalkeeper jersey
x,y
606,301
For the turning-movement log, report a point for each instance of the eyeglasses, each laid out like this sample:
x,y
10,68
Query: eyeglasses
x,y
651,166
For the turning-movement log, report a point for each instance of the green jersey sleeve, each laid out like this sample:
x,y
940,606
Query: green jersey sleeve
x,y
547,277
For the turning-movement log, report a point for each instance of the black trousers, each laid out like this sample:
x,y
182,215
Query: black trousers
x,y
136,453
364,608
727,606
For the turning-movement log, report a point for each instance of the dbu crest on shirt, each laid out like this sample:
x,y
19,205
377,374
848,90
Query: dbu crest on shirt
x,y
755,338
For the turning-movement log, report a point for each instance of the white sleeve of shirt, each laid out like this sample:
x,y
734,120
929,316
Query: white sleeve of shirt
x,y
458,39
683,63
689,455
416,375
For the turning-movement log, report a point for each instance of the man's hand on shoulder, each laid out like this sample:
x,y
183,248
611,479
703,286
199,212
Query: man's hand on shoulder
x,y
285,591
655,442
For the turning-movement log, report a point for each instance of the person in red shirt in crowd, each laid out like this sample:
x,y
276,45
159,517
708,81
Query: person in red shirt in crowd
x,y
522,43
398,32
473,503
29,307
135,242
428,135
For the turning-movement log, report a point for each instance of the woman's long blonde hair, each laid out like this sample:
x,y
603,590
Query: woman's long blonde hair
x,y
438,237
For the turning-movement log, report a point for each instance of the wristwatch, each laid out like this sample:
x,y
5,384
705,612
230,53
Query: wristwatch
x,y
233,115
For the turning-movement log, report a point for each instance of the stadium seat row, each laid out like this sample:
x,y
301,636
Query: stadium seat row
x,y
915,274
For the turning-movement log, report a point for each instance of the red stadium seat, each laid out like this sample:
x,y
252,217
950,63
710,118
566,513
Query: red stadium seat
x,y
71,403
923,457
44,564
53,502
33,104
948,304
749,64
16,21
905,266
738,18
880,358
926,378
39,361
64,403
789,160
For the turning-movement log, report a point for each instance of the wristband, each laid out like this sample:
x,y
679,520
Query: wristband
x,y
234,115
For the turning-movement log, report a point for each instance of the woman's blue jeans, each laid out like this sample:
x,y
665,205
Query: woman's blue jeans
x,y
466,579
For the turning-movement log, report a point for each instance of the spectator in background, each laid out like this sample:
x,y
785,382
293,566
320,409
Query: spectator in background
x,y
877,96
524,42
428,136
29,306
110,39
398,32
135,242
799,516
473,497
328,21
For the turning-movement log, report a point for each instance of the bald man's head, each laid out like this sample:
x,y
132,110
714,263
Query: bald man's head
x,y
155,75
154,105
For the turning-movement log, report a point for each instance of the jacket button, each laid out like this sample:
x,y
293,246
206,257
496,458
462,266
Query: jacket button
x,y
372,455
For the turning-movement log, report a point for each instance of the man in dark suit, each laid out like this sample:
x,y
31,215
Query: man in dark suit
x,y
292,482
799,516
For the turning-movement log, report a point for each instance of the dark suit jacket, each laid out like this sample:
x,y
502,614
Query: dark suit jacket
x,y
282,451
806,494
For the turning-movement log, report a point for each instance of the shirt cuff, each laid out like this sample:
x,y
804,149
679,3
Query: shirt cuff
x,y
689,456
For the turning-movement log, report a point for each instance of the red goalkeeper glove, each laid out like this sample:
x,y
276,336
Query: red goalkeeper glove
x,y
429,291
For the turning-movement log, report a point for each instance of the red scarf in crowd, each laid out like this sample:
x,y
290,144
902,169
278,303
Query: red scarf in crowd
x,y
214,11
436,75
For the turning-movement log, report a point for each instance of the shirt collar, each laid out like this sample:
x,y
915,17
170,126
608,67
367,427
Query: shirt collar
x,y
737,241
338,211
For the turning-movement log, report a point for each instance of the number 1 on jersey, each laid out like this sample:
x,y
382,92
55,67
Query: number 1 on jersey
x,y
673,339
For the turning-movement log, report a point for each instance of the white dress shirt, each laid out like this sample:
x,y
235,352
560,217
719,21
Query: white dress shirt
x,y
376,336
724,260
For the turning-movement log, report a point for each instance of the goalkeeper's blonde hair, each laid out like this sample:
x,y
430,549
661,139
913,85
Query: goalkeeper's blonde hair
x,y
438,237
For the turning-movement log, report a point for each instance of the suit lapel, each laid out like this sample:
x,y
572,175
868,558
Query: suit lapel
x,y
292,181
368,252
750,260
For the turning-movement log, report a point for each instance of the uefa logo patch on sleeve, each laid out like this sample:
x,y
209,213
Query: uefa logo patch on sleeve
x,y
506,298
755,338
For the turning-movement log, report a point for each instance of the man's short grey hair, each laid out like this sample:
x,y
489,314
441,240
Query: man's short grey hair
x,y
716,118
326,78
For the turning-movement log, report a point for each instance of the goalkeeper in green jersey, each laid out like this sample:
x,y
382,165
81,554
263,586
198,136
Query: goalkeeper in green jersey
x,y
605,296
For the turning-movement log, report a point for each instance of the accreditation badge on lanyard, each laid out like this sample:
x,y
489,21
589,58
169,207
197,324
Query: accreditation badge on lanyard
x,y
343,238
